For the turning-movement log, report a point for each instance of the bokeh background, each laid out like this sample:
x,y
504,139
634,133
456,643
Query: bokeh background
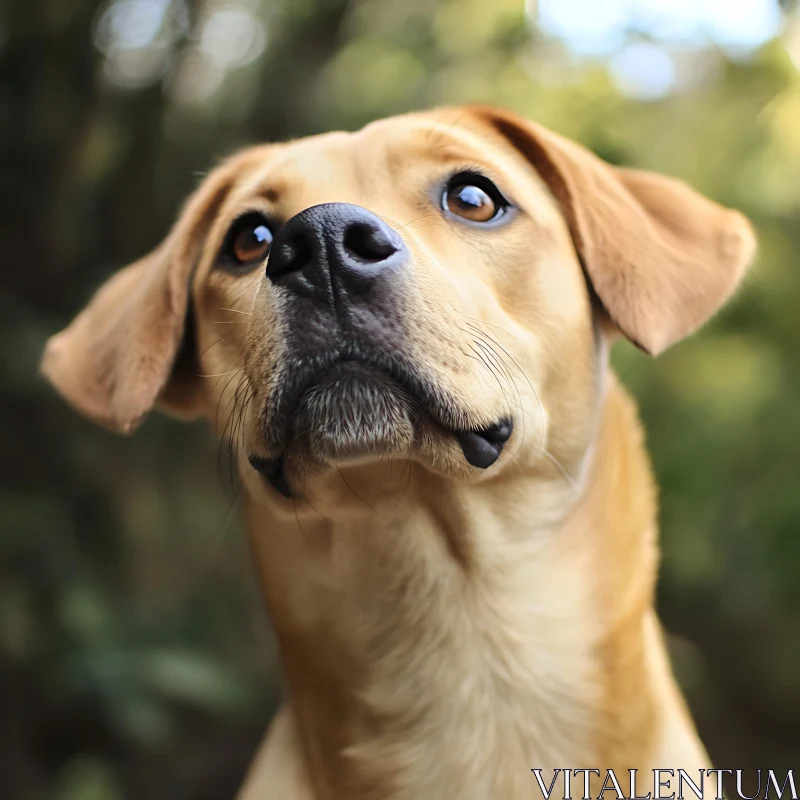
x,y
135,658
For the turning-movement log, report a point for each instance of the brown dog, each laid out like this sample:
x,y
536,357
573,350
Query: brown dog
x,y
451,508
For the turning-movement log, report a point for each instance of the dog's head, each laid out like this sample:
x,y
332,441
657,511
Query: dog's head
x,y
435,288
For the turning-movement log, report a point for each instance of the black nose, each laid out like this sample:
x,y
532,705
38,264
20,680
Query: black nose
x,y
333,248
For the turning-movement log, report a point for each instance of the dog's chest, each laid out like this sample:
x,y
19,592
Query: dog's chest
x,y
493,680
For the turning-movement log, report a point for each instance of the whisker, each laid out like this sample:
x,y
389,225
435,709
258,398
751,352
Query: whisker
x,y
424,216
236,311
514,361
313,507
494,370
522,372
245,408
484,322
216,374
222,393
210,346
510,377
355,492
408,483
542,448
507,370
497,359
223,374
560,467
232,441
228,422
501,365
220,451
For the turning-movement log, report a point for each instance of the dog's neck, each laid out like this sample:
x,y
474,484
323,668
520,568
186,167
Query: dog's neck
x,y
458,644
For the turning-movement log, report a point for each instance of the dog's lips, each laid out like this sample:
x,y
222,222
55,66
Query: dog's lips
x,y
350,406
483,447
346,411
272,470
352,411
349,376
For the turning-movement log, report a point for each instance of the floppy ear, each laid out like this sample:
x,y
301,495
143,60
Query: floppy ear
x,y
660,257
116,360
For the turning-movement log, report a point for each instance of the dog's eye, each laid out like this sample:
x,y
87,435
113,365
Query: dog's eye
x,y
248,240
473,197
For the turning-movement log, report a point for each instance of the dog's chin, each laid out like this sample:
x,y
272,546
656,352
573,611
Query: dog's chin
x,y
351,414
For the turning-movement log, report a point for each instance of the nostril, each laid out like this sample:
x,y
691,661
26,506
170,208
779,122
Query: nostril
x,y
289,255
370,243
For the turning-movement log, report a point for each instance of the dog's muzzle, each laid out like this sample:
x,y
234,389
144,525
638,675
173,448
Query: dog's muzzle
x,y
350,386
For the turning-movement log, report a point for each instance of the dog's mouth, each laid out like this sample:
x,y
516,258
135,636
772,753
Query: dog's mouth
x,y
350,405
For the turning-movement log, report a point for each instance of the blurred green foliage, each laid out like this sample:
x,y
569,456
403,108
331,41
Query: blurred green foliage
x,y
135,660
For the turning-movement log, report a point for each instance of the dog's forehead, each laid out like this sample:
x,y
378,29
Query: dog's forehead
x,y
380,151
428,134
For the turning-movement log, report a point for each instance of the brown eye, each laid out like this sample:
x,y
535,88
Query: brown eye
x,y
474,198
249,240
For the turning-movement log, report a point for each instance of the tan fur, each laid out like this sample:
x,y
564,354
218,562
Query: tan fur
x,y
661,258
443,629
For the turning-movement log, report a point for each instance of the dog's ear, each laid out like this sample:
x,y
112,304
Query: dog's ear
x,y
131,348
660,257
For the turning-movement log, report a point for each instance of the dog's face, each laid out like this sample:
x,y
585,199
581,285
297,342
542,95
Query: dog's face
x,y
435,288
419,283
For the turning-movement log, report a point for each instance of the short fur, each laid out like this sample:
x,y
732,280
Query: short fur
x,y
442,629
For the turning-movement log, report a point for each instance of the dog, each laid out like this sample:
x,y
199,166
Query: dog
x,y
451,509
